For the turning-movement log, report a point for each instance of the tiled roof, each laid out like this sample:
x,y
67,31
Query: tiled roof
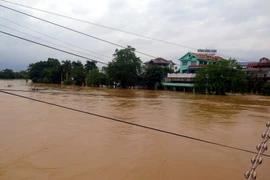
x,y
258,65
159,61
265,58
208,56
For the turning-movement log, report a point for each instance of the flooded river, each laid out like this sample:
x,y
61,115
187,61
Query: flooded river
x,y
41,141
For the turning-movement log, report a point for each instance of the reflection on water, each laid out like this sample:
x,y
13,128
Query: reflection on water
x,y
40,141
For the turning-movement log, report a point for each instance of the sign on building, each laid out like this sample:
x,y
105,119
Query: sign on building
x,y
212,51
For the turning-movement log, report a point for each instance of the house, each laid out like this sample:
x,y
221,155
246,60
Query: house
x,y
259,69
161,62
264,60
263,63
189,64
192,62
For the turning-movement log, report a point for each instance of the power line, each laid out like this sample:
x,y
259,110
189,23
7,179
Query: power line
x,y
51,47
108,27
70,29
54,38
134,124
45,40
103,26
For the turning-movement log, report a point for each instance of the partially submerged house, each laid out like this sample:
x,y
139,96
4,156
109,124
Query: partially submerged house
x,y
189,64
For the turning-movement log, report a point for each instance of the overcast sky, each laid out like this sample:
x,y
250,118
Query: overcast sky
x,y
238,28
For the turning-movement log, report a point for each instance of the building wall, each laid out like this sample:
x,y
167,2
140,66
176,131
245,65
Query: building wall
x,y
190,59
264,60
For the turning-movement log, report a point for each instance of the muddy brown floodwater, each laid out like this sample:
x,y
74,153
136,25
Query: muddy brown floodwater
x,y
40,141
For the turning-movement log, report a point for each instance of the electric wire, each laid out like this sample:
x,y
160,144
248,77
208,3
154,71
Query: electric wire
x,y
133,124
52,47
47,41
111,28
53,37
99,25
73,30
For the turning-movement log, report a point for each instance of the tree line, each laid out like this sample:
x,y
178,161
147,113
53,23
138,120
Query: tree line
x,y
10,74
127,70
228,76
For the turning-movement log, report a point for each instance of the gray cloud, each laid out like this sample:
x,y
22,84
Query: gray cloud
x,y
237,28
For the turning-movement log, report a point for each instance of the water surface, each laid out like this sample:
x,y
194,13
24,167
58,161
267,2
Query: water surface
x,y
40,141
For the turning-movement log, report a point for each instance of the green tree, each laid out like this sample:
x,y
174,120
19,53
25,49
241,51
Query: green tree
x,y
10,74
125,68
53,71
95,78
22,75
45,71
66,67
35,71
78,73
266,89
7,74
221,77
89,65
154,74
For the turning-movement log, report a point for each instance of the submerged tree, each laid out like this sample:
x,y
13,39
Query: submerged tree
x,y
66,67
10,74
78,73
124,68
221,77
7,74
45,71
266,89
154,74
95,78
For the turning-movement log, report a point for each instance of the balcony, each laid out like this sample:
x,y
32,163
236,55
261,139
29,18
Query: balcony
x,y
184,78
178,75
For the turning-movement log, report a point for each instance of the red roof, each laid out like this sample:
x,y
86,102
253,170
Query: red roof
x,y
208,57
258,65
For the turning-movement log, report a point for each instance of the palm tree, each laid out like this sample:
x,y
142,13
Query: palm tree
x,y
90,65
76,64
66,68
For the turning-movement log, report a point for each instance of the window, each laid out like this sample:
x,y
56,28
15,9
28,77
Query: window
x,y
184,63
193,62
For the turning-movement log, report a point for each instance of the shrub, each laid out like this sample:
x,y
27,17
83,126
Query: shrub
x,y
266,89
68,81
